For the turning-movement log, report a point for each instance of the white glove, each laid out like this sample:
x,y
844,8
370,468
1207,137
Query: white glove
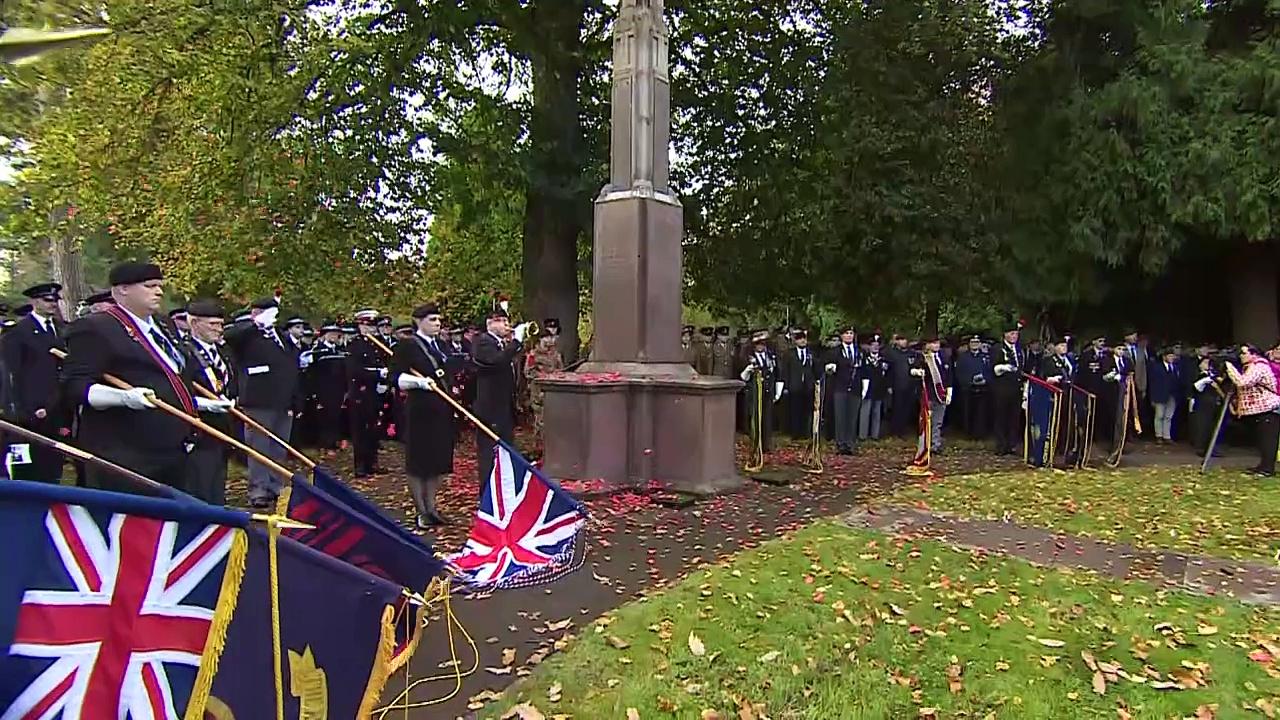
x,y
102,397
521,331
381,389
1203,383
917,372
866,387
413,382
304,360
1112,376
267,318
777,391
1191,405
219,406
831,367
382,372
1055,379
950,392
1002,369
746,373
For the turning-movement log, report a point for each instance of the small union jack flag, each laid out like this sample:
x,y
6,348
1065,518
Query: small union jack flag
x,y
524,530
107,614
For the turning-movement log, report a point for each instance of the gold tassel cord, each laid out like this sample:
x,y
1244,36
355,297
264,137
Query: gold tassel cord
x,y
756,463
812,461
273,533
443,596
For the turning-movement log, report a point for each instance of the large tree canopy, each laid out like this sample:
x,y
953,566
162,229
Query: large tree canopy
x,y
914,161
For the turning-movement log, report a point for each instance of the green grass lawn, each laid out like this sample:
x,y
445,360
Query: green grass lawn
x,y
1223,513
833,623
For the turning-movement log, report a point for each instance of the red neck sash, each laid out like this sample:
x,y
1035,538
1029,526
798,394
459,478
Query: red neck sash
x,y
135,332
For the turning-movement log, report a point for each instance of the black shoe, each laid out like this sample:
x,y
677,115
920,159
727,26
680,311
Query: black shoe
x,y
266,504
423,522
436,518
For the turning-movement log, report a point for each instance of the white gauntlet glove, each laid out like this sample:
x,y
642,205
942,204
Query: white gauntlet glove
x,y
777,391
1203,383
746,372
917,372
304,360
1002,369
102,397
521,332
413,382
1112,376
950,392
866,387
219,405
382,373
831,367
1055,379
267,318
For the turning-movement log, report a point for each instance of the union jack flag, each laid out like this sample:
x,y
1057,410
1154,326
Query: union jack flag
x,y
524,529
108,614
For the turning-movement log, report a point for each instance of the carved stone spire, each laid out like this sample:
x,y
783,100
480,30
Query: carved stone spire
x,y
640,126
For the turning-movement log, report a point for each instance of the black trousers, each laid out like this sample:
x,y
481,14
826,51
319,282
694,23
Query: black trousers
x,y
848,407
207,473
505,429
329,425
165,468
800,412
1006,416
46,463
1267,425
1203,418
904,415
365,435
977,413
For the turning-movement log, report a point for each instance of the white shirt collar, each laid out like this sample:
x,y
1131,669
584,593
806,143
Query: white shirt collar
x,y
206,346
42,320
144,323
428,338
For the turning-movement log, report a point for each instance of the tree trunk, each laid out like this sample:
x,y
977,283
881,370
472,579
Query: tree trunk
x,y
1254,294
67,262
554,196
931,318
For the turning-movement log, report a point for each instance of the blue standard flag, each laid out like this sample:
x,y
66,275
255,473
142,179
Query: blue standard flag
x,y
353,537
337,637
112,605
1042,411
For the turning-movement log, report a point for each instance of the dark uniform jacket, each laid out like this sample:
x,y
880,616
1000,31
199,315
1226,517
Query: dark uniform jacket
x,y
99,344
799,376
429,417
495,377
1015,356
848,375
33,369
225,382
268,366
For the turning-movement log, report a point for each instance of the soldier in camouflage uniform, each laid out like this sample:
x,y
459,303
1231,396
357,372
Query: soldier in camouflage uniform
x,y
542,360
702,351
722,354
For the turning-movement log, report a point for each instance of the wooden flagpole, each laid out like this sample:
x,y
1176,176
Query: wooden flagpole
x,y
441,392
257,426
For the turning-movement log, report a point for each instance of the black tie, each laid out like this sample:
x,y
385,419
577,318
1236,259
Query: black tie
x,y
168,348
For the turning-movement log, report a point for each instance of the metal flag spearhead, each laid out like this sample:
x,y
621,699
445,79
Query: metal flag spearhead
x,y
21,46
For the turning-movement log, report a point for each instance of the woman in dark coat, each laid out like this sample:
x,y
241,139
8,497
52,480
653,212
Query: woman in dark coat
x,y
429,420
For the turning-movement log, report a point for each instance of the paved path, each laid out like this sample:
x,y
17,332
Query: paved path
x,y
1249,582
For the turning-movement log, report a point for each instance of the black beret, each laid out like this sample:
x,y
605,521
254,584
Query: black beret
x,y
424,310
44,291
177,311
707,331
205,308
264,303
403,326
99,297
131,273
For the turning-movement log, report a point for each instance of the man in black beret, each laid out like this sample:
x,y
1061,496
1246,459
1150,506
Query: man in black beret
x,y
127,341
269,367
34,400
208,466
419,369
99,301
181,328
